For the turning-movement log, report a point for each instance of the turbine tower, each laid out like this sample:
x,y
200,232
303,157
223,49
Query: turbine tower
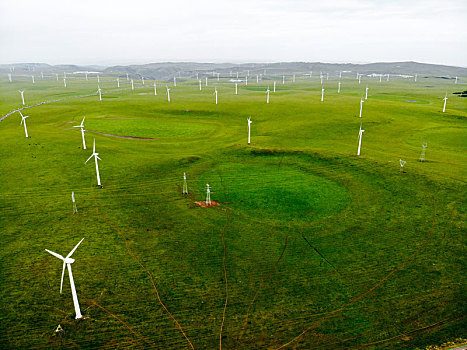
x,y
22,96
249,129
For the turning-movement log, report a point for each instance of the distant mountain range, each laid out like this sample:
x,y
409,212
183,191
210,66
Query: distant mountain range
x,y
167,70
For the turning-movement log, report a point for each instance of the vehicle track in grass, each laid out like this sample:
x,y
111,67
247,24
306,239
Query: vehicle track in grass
x,y
326,315
151,277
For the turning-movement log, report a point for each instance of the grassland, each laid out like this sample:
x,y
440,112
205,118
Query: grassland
x,y
311,247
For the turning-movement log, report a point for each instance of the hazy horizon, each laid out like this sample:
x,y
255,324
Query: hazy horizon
x,y
111,33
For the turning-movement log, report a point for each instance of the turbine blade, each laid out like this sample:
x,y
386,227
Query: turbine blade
x,y
94,147
73,250
98,157
63,273
82,122
55,254
89,158
20,113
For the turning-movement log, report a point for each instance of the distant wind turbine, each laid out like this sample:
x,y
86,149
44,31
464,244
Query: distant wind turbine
x,y
118,82
366,93
249,129
215,93
81,126
99,91
445,100
132,85
168,93
32,76
267,92
361,106
23,121
322,94
155,88
360,134
339,87
96,157
274,86
22,95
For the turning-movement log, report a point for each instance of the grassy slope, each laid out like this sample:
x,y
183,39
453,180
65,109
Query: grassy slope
x,y
300,177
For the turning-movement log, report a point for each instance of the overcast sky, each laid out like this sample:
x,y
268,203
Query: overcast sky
x,y
142,31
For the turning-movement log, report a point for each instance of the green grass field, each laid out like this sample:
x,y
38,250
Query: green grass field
x,y
311,247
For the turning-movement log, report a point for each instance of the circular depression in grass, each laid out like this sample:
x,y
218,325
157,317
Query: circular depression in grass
x,y
150,128
265,190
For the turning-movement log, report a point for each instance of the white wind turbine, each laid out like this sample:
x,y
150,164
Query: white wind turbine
x,y
200,88
283,79
42,75
155,88
360,134
339,87
361,106
98,79
96,157
86,74
218,76
415,78
142,80
274,86
267,92
81,126
22,95
67,261
175,81
32,76
359,78
249,129
75,209
387,77
257,79
455,81
127,77
206,81
322,94
445,100
246,80
99,91
168,93
293,78
215,93
132,85
366,93
56,76
64,81
236,89
9,77
321,77
118,82
23,121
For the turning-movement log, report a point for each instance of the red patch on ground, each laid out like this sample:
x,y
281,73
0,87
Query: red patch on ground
x,y
202,204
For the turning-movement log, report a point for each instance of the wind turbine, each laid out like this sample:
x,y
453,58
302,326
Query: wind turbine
x,y
267,99
257,79
132,85
322,94
445,100
42,75
321,77
175,81
455,81
215,93
361,106
208,195
366,93
9,77
359,78
96,157
387,77
283,79
200,85
168,93
155,88
422,156
23,121
402,163
340,74
218,74
274,86
360,134
98,79
22,95
293,78
249,129
127,77
81,126
339,87
380,77
118,82
68,261
75,209
327,76
99,91
197,76
64,81
246,80
185,186
206,81
416,76
32,77
86,74
142,80
56,76
236,89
